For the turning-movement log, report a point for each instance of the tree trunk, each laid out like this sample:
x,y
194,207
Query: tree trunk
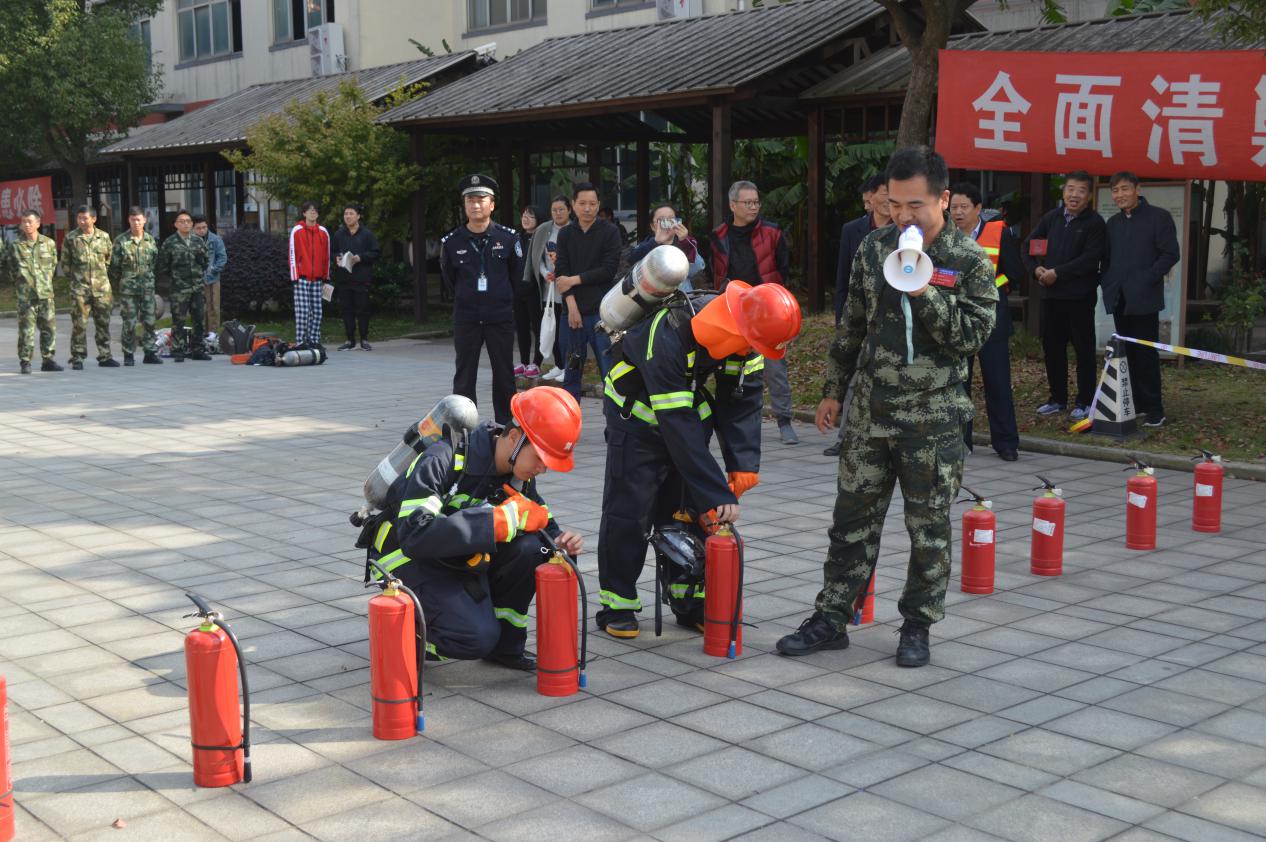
x,y
916,110
78,184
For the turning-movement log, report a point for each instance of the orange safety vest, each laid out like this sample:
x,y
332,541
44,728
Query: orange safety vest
x,y
990,240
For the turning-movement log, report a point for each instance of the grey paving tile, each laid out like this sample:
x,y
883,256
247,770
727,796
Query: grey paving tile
x,y
572,771
1192,829
723,823
1034,818
1243,725
735,721
948,793
1206,753
978,693
866,816
482,798
811,746
506,742
1049,752
559,821
235,816
870,769
658,744
916,713
735,773
1148,780
797,796
589,719
651,801
1103,802
780,832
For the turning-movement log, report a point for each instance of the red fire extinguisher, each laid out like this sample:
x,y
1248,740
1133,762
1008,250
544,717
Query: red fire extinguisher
x,y
979,527
864,607
1206,508
1140,507
6,772
560,663
723,597
1046,553
213,663
397,655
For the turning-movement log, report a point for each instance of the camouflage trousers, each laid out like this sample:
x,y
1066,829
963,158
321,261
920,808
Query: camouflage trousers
x,y
930,471
35,312
137,302
85,303
188,309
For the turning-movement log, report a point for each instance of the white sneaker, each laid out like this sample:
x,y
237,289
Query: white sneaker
x,y
554,373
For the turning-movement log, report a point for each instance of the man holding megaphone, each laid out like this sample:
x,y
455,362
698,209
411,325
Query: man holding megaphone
x,y
921,301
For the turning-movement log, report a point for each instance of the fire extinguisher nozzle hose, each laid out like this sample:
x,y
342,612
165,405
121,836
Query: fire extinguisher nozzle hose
x,y
419,622
738,594
584,603
205,610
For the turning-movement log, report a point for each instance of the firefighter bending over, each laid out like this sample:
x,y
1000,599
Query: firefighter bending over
x,y
660,417
460,528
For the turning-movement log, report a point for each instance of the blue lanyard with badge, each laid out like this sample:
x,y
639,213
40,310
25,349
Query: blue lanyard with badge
x,y
482,283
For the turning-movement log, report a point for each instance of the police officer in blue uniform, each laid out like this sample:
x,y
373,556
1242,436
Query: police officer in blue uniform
x,y
479,262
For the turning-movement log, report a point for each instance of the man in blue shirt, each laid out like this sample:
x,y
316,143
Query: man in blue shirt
x,y
218,257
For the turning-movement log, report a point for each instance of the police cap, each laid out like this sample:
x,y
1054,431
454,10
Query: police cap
x,y
475,184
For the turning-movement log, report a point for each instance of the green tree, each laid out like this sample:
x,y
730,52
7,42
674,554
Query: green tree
x,y
329,149
72,79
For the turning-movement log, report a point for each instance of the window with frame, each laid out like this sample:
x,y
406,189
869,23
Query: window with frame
x,y
607,5
486,14
140,30
293,18
208,28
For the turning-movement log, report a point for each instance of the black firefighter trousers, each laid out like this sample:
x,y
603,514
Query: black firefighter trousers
x,y
460,626
642,489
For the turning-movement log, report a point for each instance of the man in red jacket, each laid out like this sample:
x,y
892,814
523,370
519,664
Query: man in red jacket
x,y
309,272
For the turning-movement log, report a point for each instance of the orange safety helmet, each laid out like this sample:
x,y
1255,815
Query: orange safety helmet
x,y
550,419
765,318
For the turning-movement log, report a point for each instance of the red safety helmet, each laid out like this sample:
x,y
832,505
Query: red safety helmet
x,y
766,316
550,419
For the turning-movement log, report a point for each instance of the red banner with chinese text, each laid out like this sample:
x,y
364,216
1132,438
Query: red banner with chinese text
x,y
1161,115
17,196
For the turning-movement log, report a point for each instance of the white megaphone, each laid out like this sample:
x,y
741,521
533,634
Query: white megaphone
x,y
908,268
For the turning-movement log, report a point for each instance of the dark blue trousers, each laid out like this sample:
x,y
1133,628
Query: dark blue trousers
x,y
995,371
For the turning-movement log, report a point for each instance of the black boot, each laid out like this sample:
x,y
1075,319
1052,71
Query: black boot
x,y
50,364
913,649
109,362
129,359
77,365
151,358
521,661
622,624
815,633
25,368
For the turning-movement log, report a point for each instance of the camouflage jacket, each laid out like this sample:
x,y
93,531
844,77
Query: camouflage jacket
x,y
86,261
184,261
30,262
910,356
132,261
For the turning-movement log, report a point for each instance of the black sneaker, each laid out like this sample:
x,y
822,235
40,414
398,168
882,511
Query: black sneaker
x,y
109,362
347,346
365,346
912,649
833,450
128,359
689,621
25,368
521,661
151,359
1155,421
50,365
76,365
622,624
178,358
815,633
200,356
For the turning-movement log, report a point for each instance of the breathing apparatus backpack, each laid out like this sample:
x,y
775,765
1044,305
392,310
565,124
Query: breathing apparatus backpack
x,y
381,543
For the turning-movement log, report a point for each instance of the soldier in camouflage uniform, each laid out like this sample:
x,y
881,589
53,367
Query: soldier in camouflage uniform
x,y
909,351
29,263
86,261
132,268
183,258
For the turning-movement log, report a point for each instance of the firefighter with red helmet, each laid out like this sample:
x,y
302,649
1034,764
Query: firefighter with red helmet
x,y
692,368
460,527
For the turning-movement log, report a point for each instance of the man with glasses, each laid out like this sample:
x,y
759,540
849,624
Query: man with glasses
x,y
752,249
480,262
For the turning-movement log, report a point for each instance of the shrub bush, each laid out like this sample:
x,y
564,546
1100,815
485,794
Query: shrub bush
x,y
257,276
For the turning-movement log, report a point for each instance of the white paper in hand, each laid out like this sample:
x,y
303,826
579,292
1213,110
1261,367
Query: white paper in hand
x,y
345,261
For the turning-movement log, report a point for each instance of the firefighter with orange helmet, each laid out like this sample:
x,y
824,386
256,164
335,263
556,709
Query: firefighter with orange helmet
x,y
460,527
692,368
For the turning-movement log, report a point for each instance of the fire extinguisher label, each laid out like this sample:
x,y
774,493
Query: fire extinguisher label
x,y
1203,490
1139,500
1045,527
982,536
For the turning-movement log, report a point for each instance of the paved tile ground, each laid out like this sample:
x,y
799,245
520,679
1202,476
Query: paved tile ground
x,y
1125,699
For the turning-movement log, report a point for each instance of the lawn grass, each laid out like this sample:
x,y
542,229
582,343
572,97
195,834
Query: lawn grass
x,y
1211,406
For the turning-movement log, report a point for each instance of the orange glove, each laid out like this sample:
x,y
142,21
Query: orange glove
x,y
516,516
708,521
743,481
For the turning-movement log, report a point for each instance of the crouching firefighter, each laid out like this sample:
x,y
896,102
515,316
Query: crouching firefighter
x,y
661,414
460,527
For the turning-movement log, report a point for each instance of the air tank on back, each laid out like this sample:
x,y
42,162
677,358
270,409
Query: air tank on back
x,y
451,417
648,283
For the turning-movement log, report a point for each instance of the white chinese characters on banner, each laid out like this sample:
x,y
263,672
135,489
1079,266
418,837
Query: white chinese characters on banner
x,y
1083,118
1188,120
1000,109
1259,123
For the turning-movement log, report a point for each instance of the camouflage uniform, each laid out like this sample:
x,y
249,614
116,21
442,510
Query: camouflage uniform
x,y
906,418
86,261
132,268
185,262
29,265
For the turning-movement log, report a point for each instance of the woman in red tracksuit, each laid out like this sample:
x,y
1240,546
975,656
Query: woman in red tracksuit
x,y
309,271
